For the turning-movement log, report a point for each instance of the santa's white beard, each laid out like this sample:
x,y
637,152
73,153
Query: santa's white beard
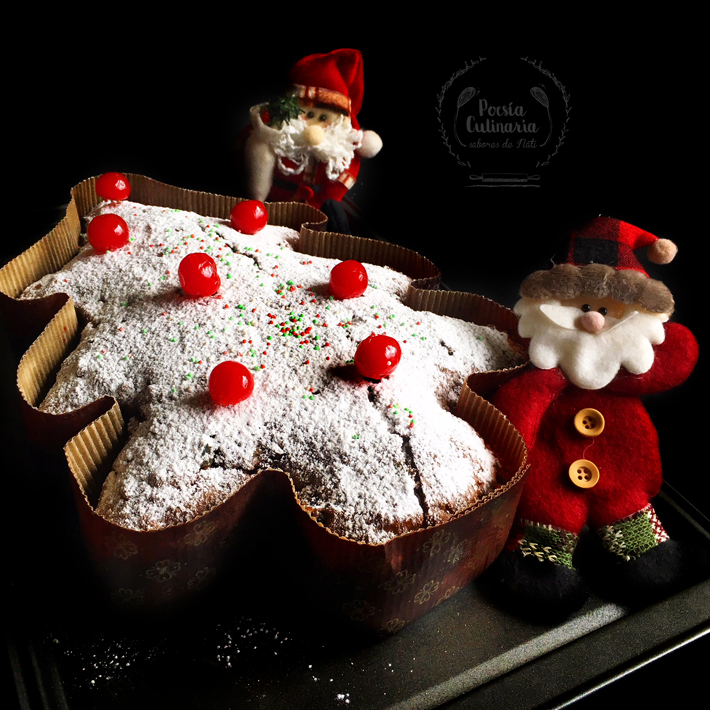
x,y
589,360
336,150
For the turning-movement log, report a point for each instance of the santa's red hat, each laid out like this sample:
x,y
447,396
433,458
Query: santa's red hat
x,y
610,241
333,80
601,263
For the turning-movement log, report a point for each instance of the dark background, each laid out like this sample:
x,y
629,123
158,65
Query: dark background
x,y
170,107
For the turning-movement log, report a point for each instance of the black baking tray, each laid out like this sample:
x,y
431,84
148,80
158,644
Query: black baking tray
x,y
259,642
265,647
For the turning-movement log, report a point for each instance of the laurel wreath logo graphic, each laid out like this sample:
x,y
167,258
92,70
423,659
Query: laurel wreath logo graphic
x,y
540,92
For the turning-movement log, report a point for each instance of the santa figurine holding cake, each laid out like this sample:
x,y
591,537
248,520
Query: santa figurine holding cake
x,y
306,146
599,339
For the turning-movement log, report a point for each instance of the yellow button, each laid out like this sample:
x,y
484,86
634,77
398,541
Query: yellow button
x,y
584,474
589,422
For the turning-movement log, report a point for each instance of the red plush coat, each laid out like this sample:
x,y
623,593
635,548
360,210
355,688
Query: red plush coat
x,y
312,185
542,405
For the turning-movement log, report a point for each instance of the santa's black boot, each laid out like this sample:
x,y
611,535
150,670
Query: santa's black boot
x,y
535,589
643,564
337,218
535,577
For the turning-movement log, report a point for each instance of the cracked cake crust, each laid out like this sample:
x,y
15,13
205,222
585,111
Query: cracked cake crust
x,y
370,460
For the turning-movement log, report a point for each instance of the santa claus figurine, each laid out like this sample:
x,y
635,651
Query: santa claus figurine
x,y
599,338
306,146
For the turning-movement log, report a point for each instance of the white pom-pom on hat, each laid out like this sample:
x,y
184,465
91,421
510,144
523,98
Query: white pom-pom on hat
x,y
371,144
662,251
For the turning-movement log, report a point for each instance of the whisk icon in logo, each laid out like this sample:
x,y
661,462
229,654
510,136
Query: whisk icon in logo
x,y
503,120
540,96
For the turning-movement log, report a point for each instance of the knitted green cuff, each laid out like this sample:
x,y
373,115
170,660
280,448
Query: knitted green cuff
x,y
630,537
547,543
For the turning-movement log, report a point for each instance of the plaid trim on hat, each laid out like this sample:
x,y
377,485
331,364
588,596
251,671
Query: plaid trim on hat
x,y
317,96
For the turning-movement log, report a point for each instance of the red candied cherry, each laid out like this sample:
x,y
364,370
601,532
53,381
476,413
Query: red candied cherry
x,y
230,383
377,356
249,217
198,275
113,186
107,232
348,279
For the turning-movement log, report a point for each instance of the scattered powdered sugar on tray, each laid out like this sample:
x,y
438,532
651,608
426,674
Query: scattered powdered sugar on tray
x,y
371,459
245,637
103,661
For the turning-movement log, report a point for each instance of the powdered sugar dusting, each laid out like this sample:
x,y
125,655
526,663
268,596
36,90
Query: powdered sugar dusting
x,y
372,459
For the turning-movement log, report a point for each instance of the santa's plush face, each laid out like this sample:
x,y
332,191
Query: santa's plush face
x,y
319,134
589,338
325,130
